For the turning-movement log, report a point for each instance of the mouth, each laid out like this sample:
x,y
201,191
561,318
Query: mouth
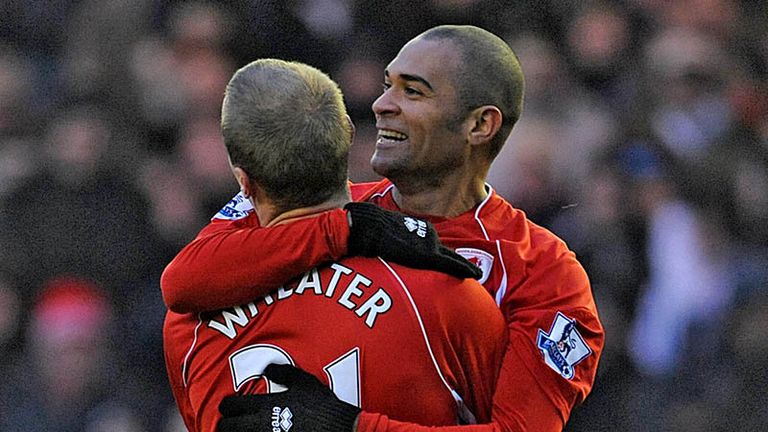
x,y
390,136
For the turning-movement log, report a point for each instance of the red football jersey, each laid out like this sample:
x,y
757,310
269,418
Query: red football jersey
x,y
555,336
544,294
418,345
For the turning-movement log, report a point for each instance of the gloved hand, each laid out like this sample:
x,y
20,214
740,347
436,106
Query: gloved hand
x,y
307,406
412,242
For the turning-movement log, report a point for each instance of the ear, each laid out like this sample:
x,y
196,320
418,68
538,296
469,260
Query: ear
x,y
351,127
486,122
244,180
249,188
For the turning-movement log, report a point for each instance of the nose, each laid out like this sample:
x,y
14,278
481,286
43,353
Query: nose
x,y
384,105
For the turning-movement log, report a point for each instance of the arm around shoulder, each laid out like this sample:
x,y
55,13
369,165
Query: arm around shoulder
x,y
235,264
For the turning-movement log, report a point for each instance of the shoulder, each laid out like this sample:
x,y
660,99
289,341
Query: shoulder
x,y
442,290
546,262
536,258
237,213
364,191
512,227
179,336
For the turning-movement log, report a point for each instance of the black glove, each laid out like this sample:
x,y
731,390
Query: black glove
x,y
403,239
307,406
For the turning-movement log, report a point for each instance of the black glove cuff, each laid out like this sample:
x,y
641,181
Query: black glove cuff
x,y
339,417
366,220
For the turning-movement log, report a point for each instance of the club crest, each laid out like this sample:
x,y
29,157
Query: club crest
x,y
563,347
480,258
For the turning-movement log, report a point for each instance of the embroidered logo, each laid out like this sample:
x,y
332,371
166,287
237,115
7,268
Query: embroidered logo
x,y
563,347
416,225
281,419
480,258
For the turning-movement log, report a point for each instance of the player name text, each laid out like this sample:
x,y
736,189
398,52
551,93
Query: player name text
x,y
346,282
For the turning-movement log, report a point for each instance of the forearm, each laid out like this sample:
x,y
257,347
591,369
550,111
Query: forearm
x,y
232,267
371,422
529,395
520,405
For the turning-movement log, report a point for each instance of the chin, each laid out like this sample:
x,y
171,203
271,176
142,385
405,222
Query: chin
x,y
379,169
383,167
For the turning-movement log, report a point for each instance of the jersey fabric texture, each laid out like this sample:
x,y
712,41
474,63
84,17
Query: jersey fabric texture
x,y
421,346
555,335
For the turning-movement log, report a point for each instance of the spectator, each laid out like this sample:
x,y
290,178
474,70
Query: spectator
x,y
65,372
79,214
601,77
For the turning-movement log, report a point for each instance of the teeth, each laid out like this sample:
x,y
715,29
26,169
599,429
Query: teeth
x,y
389,134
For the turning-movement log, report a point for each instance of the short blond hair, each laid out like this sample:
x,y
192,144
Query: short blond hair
x,y
286,125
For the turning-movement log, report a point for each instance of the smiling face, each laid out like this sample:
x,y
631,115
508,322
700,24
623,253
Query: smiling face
x,y
422,135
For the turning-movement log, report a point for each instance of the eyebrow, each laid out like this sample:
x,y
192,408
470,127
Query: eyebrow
x,y
408,77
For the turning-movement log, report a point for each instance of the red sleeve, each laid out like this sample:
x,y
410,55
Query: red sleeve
x,y
229,263
173,369
519,405
182,402
370,422
516,408
532,392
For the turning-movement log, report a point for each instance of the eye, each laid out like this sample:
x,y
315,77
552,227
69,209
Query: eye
x,y
412,91
385,86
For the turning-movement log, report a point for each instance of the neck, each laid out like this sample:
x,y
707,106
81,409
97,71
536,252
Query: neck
x,y
450,197
268,216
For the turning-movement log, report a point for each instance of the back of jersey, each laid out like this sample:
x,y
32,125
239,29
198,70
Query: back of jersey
x,y
390,339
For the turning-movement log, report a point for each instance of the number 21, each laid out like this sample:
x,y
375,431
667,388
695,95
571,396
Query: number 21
x,y
343,373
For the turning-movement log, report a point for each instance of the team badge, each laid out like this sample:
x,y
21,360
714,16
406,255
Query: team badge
x,y
563,347
480,258
237,208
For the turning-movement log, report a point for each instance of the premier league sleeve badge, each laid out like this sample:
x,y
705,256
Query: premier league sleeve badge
x,y
237,208
563,347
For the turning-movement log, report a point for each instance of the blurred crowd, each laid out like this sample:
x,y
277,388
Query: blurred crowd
x,y
643,144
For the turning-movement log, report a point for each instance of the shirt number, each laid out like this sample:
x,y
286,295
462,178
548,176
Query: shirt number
x,y
343,373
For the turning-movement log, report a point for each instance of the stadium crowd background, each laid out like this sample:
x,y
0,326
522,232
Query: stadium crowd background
x,y
644,144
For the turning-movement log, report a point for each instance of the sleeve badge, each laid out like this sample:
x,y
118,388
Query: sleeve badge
x,y
563,347
237,208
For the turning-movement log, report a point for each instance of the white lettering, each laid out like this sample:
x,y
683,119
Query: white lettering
x,y
230,319
252,309
311,279
353,289
379,302
338,269
283,293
